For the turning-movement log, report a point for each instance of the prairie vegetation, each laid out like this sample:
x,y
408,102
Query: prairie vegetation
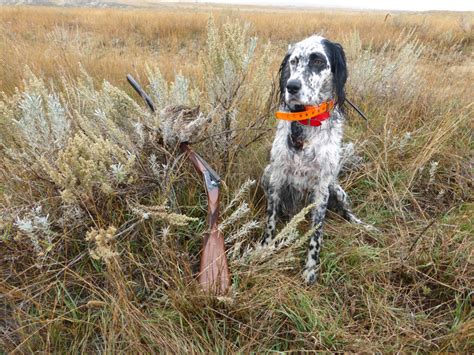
x,y
101,224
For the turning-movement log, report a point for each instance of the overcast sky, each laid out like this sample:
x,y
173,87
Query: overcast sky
x,y
409,5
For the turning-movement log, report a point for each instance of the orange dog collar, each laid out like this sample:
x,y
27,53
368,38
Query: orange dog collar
x,y
311,116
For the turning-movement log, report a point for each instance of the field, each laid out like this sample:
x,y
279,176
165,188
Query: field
x,y
101,224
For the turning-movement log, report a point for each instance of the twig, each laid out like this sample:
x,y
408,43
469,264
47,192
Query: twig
x,y
224,132
428,226
419,236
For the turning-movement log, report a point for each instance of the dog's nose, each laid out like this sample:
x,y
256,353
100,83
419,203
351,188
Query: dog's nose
x,y
293,86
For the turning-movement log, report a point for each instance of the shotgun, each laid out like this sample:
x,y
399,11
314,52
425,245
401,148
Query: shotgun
x,y
214,275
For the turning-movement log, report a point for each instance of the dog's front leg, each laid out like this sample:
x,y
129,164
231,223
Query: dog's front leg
x,y
320,199
273,199
271,184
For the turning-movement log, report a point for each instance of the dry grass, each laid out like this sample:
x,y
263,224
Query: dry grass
x,y
111,42
130,288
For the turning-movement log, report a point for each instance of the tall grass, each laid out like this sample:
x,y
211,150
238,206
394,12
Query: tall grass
x,y
110,42
101,223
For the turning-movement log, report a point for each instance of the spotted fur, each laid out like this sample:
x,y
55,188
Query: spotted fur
x,y
305,160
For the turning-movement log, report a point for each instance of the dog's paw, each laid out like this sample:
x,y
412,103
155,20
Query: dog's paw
x,y
267,240
310,276
366,226
370,228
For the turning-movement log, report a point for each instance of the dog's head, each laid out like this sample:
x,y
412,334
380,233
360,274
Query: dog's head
x,y
313,70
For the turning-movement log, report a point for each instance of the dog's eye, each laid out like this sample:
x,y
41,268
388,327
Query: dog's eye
x,y
294,61
318,62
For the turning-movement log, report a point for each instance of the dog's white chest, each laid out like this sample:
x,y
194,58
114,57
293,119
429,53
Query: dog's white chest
x,y
303,168
309,165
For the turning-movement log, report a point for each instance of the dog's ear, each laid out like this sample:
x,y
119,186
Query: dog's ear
x,y
284,73
337,60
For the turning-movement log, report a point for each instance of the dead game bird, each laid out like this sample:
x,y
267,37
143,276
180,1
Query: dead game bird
x,y
181,124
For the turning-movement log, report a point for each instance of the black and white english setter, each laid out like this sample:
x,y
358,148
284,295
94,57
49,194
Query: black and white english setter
x,y
305,159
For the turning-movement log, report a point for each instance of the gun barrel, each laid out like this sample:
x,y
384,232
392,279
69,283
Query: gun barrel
x,y
141,92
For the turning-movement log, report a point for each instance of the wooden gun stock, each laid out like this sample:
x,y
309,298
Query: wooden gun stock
x,y
214,275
